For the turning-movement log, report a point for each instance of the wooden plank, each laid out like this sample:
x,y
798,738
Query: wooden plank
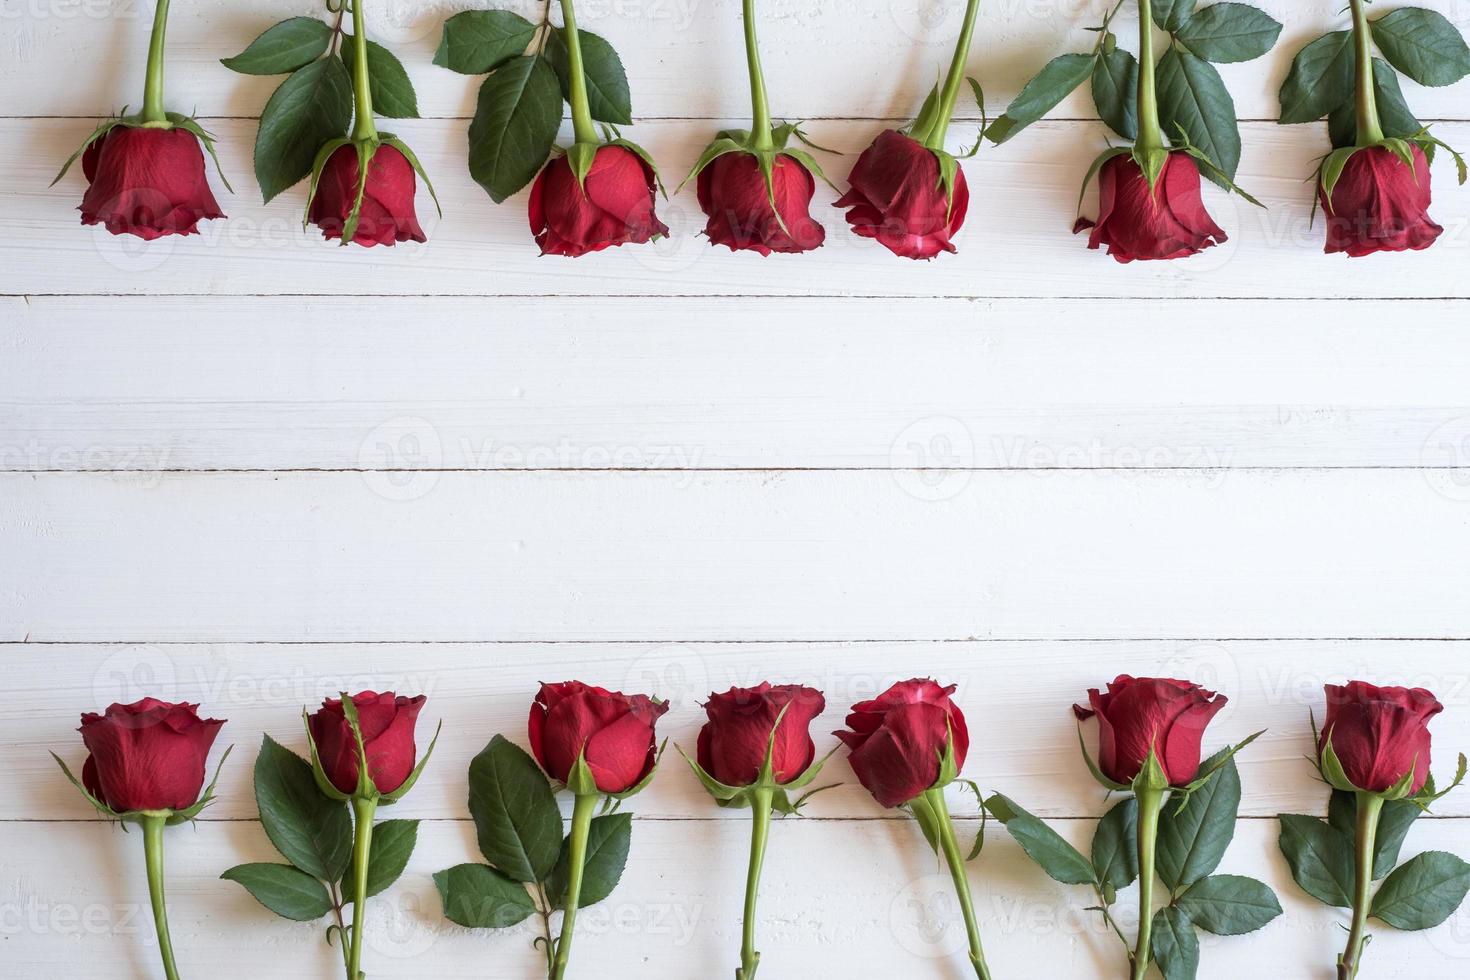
x,y
1018,241
277,383
1017,697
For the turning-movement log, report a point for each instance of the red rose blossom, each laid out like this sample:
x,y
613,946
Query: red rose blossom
x,y
1167,222
1379,204
734,743
613,732
614,205
146,182
897,196
387,723
898,739
387,214
734,195
1139,714
148,755
1379,733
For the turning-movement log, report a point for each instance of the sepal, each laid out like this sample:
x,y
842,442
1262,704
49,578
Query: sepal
x,y
1092,766
205,137
725,142
1151,778
322,155
324,784
580,157
413,161
96,134
1211,769
208,797
100,807
390,798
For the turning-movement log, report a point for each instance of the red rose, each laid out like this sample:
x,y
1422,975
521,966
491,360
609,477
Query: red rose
x,y
897,196
898,740
147,182
387,724
733,193
148,755
1142,713
386,216
614,205
1169,222
1379,204
1380,733
614,731
734,742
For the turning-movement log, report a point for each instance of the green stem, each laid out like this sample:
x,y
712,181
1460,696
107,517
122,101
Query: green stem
x,y
153,113
950,94
582,810
760,831
582,126
363,127
1150,132
153,824
363,811
760,108
1370,126
1150,805
1370,807
949,846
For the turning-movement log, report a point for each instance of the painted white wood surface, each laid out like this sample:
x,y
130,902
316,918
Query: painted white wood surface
x,y
1023,468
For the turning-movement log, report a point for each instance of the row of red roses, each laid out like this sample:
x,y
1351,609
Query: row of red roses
x,y
146,764
146,172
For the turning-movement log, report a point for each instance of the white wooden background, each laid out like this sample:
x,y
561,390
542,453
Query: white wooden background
x,y
251,468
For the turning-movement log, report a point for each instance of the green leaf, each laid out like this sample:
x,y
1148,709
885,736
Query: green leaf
x,y
1115,91
393,843
286,891
607,854
516,120
482,898
283,48
1394,114
311,831
1230,32
1175,946
1423,44
515,813
1192,842
1320,858
1115,846
1393,826
1041,95
312,106
607,84
1424,892
1321,79
1171,15
1059,859
1193,96
1229,905
389,85
477,42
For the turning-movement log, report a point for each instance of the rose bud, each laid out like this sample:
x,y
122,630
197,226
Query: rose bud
x,y
1379,734
734,194
735,742
387,213
1379,204
148,755
613,732
898,739
1142,714
148,182
897,196
1168,221
613,206
387,723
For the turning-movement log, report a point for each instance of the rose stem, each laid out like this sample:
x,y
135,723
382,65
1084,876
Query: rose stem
x,y
951,92
760,109
153,824
1150,133
582,810
362,125
582,126
760,831
943,829
363,810
153,114
1370,806
1150,805
1370,126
